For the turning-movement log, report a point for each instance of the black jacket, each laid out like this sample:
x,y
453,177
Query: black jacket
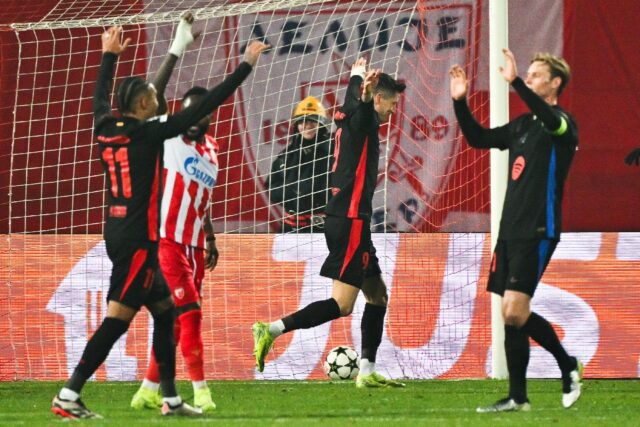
x,y
299,178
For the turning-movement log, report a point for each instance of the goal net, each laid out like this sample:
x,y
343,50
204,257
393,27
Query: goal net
x,y
430,207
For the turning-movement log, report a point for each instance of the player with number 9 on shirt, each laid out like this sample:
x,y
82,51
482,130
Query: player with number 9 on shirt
x,y
371,98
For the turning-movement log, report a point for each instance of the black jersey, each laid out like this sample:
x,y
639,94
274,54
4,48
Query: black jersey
x,y
299,178
130,150
541,147
356,156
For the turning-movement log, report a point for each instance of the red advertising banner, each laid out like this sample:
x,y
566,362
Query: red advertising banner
x,y
53,292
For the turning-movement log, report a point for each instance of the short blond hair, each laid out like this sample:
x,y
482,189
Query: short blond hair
x,y
558,67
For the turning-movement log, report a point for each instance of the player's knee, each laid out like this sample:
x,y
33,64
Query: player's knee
x,y
345,308
164,320
160,307
514,317
190,323
379,297
375,291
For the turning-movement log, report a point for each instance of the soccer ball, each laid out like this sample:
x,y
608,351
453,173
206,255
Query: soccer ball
x,y
342,363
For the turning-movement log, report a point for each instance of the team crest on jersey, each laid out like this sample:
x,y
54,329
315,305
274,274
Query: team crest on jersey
x,y
179,293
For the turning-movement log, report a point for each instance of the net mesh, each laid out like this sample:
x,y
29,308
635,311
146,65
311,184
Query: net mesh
x,y
432,189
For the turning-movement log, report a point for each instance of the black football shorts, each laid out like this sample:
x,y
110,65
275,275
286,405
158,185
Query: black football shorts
x,y
518,265
135,276
352,257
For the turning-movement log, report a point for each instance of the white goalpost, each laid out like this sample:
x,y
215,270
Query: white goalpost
x,y
431,207
499,114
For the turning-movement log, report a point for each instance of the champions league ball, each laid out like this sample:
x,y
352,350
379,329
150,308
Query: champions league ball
x,y
342,363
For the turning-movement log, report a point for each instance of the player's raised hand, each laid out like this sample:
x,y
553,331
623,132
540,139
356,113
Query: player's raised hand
x,y
184,35
253,51
189,19
371,80
633,157
359,68
111,41
459,84
509,71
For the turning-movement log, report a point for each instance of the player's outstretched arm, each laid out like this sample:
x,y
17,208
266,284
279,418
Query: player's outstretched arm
x,y
352,96
477,135
183,38
356,97
552,119
181,121
364,112
633,157
112,46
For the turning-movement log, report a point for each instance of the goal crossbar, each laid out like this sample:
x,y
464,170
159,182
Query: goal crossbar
x,y
203,13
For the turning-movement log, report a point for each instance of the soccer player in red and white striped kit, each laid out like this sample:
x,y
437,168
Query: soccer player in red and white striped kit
x,y
187,247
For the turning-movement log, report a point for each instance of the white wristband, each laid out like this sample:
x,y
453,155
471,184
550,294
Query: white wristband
x,y
359,71
182,39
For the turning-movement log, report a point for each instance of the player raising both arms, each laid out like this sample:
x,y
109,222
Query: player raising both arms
x,y
541,147
352,261
129,149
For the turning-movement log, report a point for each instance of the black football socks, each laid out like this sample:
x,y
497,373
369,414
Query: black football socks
x,y
538,328
371,326
314,314
516,345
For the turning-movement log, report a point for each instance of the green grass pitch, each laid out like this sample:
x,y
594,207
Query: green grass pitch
x,y
315,403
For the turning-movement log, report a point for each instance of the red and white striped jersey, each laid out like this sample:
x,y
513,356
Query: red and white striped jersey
x,y
190,173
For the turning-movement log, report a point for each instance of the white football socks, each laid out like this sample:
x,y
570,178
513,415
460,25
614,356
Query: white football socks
x,y
173,401
150,385
68,394
199,384
366,367
276,328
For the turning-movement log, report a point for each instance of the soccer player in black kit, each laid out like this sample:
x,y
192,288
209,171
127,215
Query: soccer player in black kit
x,y
130,148
541,146
371,98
